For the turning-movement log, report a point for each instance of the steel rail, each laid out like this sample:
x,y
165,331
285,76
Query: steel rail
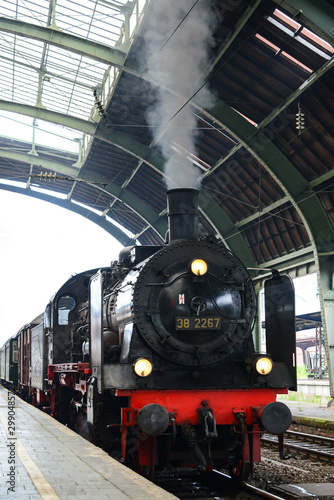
x,y
310,452
311,437
248,487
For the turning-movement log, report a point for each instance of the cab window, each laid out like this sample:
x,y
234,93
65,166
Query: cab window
x,y
47,316
66,304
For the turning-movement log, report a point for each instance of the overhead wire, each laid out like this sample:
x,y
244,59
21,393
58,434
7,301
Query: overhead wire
x,y
270,214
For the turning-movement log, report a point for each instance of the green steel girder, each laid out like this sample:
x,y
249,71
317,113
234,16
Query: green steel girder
x,y
259,144
326,295
96,51
39,162
140,208
117,233
123,142
135,148
265,211
317,15
220,220
290,260
50,116
323,178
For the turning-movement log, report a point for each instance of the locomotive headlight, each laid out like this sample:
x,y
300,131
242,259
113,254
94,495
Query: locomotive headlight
x,y
199,267
263,366
143,367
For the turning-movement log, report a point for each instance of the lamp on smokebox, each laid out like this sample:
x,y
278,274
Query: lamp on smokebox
x,y
300,120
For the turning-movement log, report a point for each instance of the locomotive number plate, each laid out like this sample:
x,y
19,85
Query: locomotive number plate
x,y
198,323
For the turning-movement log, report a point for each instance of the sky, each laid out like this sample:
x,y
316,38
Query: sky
x,y
41,246
306,292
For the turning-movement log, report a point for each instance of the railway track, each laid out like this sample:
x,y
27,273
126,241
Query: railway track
x,y
309,445
303,436
214,485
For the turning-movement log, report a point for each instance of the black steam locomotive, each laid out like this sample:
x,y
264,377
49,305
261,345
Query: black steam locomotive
x,y
153,357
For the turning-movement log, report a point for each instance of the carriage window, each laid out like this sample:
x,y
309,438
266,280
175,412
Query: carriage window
x,y
66,304
15,353
47,316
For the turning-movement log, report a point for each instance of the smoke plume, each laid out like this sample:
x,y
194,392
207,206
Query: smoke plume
x,y
177,47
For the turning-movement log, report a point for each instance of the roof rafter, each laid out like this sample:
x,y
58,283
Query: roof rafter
x,y
99,52
140,208
69,121
115,231
317,16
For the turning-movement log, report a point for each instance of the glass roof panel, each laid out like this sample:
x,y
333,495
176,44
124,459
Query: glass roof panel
x,y
39,74
97,20
23,10
46,134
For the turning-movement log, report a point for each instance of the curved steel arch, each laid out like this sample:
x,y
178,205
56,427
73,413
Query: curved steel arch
x,y
117,58
134,203
73,43
255,141
70,121
113,230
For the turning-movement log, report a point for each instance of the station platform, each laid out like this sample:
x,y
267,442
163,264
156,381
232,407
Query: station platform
x,y
311,414
42,459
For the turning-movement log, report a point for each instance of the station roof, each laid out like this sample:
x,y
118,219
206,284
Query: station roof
x,y
250,121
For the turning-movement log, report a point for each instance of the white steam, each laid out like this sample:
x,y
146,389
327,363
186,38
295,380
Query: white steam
x,y
177,48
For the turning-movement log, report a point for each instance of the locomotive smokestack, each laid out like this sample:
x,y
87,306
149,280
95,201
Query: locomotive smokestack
x,y
182,208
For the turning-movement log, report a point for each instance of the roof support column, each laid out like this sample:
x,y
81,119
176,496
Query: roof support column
x,y
326,292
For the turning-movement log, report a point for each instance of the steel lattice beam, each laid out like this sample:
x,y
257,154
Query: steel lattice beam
x,y
96,51
134,203
102,222
317,15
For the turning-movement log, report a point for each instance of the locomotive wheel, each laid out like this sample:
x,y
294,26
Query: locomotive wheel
x,y
240,471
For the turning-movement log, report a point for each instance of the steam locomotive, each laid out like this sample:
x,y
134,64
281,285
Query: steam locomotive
x,y
153,358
